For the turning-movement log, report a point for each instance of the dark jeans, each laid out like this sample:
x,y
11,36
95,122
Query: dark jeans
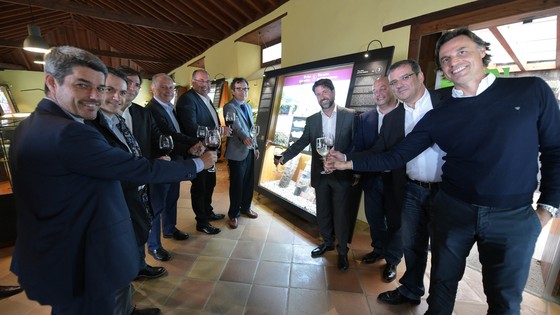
x,y
164,203
416,214
241,182
505,239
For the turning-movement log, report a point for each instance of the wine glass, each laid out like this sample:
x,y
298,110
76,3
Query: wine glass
x,y
212,142
277,156
329,140
201,132
322,149
166,144
254,131
230,119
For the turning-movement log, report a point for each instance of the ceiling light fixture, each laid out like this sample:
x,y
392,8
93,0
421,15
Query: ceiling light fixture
x,y
34,42
367,49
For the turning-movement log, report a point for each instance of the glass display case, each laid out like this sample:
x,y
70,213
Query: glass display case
x,y
287,99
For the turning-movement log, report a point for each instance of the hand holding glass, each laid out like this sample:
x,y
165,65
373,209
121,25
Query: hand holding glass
x,y
322,149
230,119
213,142
277,157
166,144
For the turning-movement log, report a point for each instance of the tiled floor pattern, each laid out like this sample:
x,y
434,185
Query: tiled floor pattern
x,y
265,267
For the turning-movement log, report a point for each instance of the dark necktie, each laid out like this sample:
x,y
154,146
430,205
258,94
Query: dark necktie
x,y
135,148
246,113
130,140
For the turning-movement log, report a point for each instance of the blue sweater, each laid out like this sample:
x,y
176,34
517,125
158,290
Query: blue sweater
x,y
492,143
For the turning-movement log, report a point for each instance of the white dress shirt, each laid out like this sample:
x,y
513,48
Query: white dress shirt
x,y
329,123
211,109
426,167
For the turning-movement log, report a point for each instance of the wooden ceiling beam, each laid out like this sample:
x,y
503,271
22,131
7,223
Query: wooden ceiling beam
x,y
134,57
120,17
494,30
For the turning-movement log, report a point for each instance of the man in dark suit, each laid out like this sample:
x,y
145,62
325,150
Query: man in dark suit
x,y
164,196
332,190
419,180
75,248
144,128
382,202
194,109
241,152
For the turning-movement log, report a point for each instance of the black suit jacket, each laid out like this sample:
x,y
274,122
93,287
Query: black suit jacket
x,y
146,131
181,141
140,215
192,112
346,122
75,239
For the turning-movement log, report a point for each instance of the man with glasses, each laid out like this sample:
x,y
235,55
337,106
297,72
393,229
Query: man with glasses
x,y
164,196
424,175
75,248
241,152
194,109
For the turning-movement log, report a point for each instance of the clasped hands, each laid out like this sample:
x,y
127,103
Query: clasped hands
x,y
336,160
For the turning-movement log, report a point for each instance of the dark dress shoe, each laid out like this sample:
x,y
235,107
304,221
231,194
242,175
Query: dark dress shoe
x,y
395,298
208,229
390,272
177,235
146,311
343,262
150,273
321,249
233,223
160,254
372,257
7,291
250,214
216,217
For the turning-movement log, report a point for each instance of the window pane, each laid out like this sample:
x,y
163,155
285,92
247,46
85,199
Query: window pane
x,y
272,53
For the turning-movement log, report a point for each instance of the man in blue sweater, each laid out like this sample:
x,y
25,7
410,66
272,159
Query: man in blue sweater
x,y
492,130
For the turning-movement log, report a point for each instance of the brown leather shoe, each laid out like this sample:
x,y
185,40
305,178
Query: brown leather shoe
x,y
250,214
232,223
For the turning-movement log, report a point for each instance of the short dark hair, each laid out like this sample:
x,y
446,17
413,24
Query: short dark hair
x,y
238,80
323,82
60,62
449,35
412,63
118,73
129,72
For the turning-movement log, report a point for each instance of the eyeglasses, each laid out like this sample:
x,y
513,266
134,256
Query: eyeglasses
x,y
202,81
88,87
404,78
242,89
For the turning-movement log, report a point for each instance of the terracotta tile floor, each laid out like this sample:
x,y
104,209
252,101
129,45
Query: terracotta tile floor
x,y
265,267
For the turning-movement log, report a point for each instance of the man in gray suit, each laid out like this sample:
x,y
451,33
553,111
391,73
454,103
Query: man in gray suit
x,y
334,190
241,153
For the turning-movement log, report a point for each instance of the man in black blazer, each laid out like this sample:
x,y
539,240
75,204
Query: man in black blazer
x,y
418,181
75,248
333,191
164,196
382,201
194,108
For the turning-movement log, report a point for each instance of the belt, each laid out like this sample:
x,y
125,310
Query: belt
x,y
424,184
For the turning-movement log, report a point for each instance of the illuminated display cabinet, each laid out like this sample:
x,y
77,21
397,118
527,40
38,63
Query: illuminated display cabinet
x,y
287,100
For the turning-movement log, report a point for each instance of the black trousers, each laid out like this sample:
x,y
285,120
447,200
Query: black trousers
x,y
202,189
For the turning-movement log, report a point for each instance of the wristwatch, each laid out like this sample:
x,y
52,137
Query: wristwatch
x,y
552,210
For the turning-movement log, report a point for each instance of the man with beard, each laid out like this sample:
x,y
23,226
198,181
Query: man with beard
x,y
335,189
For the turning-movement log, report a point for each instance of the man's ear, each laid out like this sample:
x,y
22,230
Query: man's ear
x,y
51,84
